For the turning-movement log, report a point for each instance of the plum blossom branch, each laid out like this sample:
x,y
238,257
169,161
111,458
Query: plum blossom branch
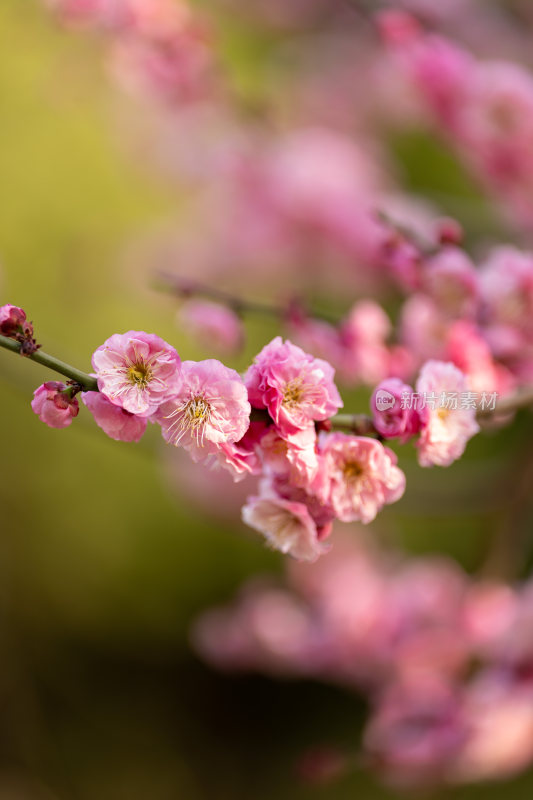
x,y
87,382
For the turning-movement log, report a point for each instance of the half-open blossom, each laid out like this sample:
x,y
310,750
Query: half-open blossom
x,y
449,423
359,476
393,411
12,319
119,424
14,325
137,371
296,388
287,525
54,405
211,409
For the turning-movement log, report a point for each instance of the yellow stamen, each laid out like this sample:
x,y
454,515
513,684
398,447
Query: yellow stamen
x,y
140,374
293,392
352,470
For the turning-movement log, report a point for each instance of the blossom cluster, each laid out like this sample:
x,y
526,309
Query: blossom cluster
x,y
274,422
445,660
483,107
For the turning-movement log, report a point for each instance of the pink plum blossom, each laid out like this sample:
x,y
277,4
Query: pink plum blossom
x,y
295,459
213,324
358,477
296,388
446,429
393,414
287,525
211,409
239,461
137,371
119,424
54,404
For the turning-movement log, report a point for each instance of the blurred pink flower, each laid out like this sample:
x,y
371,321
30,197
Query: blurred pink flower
x,y
119,424
137,371
469,351
423,328
106,14
451,280
54,405
267,628
416,731
500,722
215,325
507,294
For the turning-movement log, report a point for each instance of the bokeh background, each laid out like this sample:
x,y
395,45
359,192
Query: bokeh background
x,y
105,558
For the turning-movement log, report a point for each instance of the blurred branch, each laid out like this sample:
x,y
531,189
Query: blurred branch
x,y
87,382
358,424
189,287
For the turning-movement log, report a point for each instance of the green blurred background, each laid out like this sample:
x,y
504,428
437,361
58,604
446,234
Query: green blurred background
x,y
103,563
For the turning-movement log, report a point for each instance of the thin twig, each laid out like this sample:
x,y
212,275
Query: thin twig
x,y
87,382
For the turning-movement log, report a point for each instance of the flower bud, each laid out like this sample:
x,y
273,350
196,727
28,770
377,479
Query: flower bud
x,y
54,404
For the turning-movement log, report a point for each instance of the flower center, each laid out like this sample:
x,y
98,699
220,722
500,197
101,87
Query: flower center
x,y
197,411
293,392
190,417
443,413
140,374
352,470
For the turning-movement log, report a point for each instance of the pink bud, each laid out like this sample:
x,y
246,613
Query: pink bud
x,y
54,405
393,411
12,320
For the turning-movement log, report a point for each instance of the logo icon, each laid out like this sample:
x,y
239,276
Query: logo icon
x,y
384,400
